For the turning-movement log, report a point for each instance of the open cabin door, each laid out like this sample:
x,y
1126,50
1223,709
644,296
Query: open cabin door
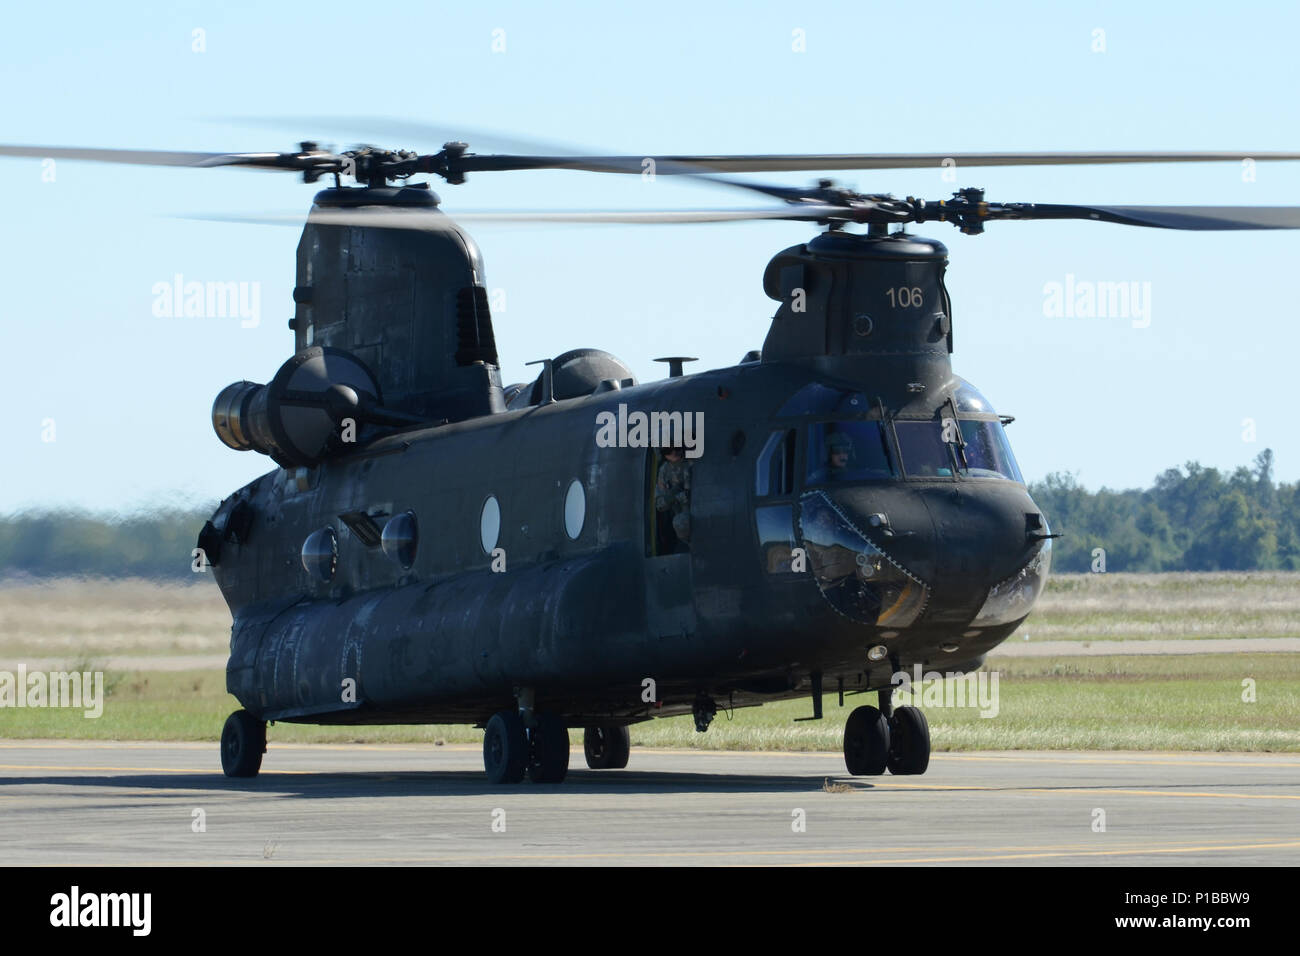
x,y
669,595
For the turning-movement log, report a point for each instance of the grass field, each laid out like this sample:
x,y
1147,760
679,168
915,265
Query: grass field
x,y
95,616
1190,702
1092,607
1166,702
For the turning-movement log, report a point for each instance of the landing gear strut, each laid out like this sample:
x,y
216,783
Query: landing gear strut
x,y
704,710
550,749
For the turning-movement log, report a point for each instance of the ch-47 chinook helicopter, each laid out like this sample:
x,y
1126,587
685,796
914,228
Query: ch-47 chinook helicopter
x,y
434,547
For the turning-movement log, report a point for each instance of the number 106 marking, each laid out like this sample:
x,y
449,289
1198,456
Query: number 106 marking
x,y
904,297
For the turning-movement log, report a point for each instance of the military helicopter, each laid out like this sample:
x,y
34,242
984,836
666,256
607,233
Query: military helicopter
x,y
435,547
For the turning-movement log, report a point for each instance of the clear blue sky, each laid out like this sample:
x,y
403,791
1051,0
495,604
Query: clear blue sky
x,y
130,393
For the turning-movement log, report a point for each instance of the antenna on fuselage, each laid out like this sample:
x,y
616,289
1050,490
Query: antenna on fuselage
x,y
675,363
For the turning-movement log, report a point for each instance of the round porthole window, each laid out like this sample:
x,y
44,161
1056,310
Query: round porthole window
x,y
489,524
575,509
400,538
320,554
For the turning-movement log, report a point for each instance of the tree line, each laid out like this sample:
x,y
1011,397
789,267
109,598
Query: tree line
x,y
64,543
1192,519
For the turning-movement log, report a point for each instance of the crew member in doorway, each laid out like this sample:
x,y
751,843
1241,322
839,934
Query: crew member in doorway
x,y
673,492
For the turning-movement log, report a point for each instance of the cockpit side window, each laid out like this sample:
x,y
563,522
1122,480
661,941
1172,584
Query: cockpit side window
x,y
774,476
774,517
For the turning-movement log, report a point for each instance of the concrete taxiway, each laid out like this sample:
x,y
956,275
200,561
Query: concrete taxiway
x,y
80,803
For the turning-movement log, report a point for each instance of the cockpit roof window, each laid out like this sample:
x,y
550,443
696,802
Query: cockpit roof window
x,y
968,398
818,399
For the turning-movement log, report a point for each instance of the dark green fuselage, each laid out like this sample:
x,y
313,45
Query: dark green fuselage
x,y
585,621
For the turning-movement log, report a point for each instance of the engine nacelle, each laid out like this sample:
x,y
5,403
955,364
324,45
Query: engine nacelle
x,y
301,417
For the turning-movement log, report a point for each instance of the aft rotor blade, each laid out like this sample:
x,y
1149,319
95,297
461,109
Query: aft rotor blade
x,y
391,218
551,151
152,157
795,213
412,131
811,162
328,161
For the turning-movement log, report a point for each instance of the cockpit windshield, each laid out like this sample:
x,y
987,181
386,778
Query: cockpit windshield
x,y
863,451
925,453
847,451
988,453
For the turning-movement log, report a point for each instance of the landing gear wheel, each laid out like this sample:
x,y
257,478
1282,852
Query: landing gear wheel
x,y
550,750
607,747
866,742
243,741
909,741
505,748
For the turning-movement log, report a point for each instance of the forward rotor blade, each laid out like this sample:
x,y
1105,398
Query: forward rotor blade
x,y
1200,218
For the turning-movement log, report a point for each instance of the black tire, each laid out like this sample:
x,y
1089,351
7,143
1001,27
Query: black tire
x,y
909,741
243,741
550,750
505,748
866,742
607,747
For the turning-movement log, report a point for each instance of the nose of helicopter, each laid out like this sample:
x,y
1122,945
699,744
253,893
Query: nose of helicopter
x,y
946,556
992,553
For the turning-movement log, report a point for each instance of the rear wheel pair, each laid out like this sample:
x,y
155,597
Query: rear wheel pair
x,y
511,750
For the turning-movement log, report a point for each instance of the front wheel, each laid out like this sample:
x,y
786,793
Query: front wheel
x,y
866,742
909,741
